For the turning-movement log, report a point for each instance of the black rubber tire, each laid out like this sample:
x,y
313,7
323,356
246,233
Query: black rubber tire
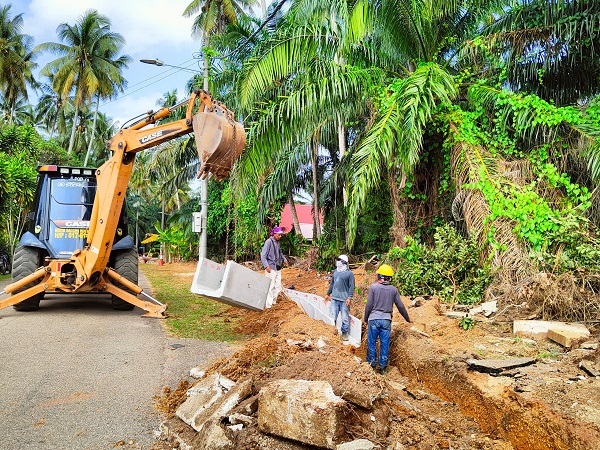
x,y
26,261
126,265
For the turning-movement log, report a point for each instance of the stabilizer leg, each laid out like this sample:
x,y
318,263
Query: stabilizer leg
x,y
156,311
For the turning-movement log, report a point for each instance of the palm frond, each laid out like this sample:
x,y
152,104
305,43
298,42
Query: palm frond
x,y
396,137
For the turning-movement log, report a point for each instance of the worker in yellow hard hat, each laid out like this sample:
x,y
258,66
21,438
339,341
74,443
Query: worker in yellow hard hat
x,y
378,315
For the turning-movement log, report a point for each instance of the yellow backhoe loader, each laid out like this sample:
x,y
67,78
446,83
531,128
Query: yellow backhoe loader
x,y
77,242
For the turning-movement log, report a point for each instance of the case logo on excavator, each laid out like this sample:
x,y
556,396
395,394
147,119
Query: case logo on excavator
x,y
72,223
155,135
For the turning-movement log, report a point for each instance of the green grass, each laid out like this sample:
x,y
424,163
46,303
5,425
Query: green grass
x,y
5,277
189,315
552,353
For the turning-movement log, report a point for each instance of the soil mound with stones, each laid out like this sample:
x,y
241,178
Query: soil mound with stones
x,y
431,397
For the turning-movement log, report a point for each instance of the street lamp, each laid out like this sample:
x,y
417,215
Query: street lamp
x,y
159,63
203,182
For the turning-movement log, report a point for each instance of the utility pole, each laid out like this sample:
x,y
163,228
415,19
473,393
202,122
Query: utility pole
x,y
204,187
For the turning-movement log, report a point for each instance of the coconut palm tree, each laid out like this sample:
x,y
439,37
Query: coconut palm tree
x,y
17,58
50,111
215,15
17,111
88,65
109,88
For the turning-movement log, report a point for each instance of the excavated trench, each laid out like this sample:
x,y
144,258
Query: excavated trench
x,y
504,414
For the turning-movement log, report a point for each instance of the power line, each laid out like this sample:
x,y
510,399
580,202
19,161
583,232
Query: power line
x,y
146,84
235,50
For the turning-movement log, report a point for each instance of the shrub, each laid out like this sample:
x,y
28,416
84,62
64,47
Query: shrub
x,y
451,269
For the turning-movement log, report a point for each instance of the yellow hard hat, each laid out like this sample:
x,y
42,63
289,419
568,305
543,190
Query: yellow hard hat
x,y
385,270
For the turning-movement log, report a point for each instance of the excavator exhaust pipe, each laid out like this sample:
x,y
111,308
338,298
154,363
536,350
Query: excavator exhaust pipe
x,y
220,141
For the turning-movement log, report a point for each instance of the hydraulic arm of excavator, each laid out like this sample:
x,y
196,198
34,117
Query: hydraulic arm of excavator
x,y
219,140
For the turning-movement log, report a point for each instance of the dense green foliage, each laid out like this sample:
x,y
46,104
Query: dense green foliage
x,y
450,269
21,150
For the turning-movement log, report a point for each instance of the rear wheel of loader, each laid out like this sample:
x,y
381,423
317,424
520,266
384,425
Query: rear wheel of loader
x,y
126,265
25,262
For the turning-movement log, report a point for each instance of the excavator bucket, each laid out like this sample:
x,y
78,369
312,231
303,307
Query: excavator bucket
x,y
220,141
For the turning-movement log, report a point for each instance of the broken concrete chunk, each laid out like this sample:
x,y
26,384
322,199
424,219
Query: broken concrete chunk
x,y
171,430
589,345
498,365
197,372
489,306
225,382
237,418
214,404
305,411
248,407
475,310
359,444
455,314
589,368
538,329
215,438
564,337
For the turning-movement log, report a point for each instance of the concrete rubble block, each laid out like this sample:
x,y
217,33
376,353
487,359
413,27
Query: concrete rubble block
x,y
172,432
214,437
475,310
538,329
590,368
179,435
214,404
238,418
197,372
203,394
359,444
566,338
305,411
248,407
455,314
489,306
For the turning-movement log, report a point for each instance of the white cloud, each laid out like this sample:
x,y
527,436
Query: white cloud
x,y
144,24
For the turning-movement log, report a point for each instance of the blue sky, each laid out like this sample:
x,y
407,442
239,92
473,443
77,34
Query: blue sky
x,y
153,29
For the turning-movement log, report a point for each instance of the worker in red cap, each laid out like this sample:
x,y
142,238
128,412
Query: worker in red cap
x,y
273,260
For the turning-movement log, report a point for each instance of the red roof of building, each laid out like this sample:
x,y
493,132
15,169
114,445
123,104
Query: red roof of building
x,y
305,217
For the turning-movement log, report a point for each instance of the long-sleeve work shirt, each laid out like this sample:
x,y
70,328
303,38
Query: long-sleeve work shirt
x,y
381,300
341,286
271,255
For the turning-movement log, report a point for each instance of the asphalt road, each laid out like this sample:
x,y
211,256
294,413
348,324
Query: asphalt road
x,y
77,375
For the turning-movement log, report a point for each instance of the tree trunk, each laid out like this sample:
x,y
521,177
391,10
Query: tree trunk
x,y
73,129
89,150
343,147
398,229
315,165
297,228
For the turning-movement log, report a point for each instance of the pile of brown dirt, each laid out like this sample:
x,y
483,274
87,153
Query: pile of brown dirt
x,y
429,399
